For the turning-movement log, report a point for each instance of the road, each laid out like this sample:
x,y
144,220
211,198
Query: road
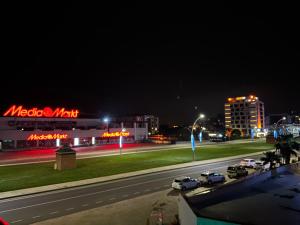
x,y
39,207
48,155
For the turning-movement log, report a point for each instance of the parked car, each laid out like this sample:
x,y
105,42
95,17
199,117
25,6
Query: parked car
x,y
236,171
248,163
261,165
184,183
211,178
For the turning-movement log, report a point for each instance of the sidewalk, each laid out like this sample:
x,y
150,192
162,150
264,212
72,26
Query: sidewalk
x,y
28,191
142,210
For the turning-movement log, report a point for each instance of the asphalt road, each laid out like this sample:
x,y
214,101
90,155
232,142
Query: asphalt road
x,y
39,207
47,155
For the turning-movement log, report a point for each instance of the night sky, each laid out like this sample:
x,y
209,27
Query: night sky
x,y
172,60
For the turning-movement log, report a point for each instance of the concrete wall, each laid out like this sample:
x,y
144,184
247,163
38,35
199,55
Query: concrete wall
x,y
186,214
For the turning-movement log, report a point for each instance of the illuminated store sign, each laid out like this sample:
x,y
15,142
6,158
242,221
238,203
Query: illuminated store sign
x,y
20,111
116,134
36,137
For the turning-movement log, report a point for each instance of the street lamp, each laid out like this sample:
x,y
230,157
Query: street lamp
x,y
276,126
106,120
121,140
201,116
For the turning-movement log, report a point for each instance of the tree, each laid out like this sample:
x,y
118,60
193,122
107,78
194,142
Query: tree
x,y
286,145
270,157
236,134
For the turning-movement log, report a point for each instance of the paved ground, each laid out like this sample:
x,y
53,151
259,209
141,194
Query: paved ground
x,y
150,209
144,210
39,207
45,155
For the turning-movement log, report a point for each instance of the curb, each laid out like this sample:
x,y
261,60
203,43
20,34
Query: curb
x,y
72,184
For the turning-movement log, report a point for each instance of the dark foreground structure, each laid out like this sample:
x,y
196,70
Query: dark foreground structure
x,y
272,197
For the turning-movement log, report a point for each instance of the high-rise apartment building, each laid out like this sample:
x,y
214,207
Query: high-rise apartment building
x,y
244,114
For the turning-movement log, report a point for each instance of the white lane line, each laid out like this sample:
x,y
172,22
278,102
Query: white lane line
x,y
136,193
52,213
85,205
16,221
99,202
69,209
115,181
108,190
34,217
125,196
112,199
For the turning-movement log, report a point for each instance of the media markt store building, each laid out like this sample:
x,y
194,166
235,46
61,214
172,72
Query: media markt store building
x,y
26,128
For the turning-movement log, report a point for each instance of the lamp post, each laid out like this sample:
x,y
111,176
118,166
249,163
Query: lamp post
x,y
121,140
106,120
201,116
276,127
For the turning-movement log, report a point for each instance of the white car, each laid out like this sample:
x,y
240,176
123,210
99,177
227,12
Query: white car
x,y
184,183
261,165
248,163
211,178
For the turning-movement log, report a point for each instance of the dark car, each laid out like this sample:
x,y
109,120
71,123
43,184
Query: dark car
x,y
236,171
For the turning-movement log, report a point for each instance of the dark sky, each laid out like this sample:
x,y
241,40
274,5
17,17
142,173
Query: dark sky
x,y
153,58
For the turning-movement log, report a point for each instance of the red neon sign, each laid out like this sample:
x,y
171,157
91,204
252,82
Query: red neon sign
x,y
36,137
19,111
116,134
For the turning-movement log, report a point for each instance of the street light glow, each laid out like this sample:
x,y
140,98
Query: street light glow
x,y
284,118
106,119
201,116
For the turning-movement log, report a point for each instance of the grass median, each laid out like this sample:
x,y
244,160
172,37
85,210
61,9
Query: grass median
x,y
34,175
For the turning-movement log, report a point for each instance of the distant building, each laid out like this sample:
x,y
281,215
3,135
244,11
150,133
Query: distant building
x,y
272,119
22,127
244,114
151,120
291,118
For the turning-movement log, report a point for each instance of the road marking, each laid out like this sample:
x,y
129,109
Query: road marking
x,y
92,185
136,193
98,192
112,199
99,202
85,205
52,213
34,217
16,221
125,196
69,209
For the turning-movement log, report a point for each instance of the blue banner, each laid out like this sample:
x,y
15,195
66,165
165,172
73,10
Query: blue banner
x,y
275,134
252,133
193,142
200,137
